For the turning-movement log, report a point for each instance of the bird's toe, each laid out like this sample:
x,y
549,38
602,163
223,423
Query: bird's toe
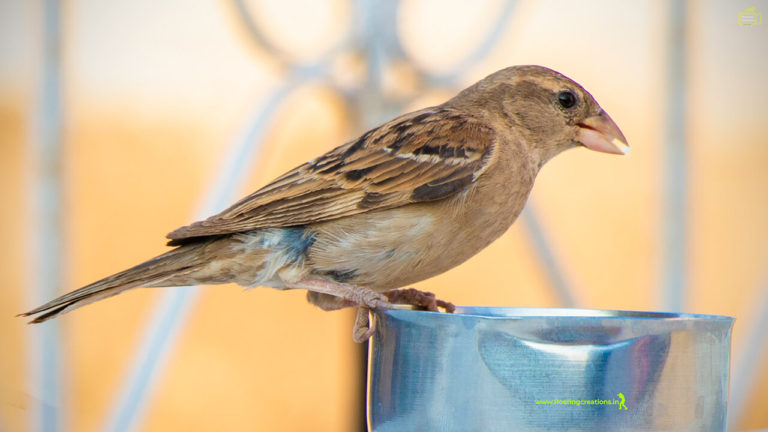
x,y
421,300
363,329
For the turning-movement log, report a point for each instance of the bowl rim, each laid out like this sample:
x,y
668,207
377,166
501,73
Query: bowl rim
x,y
495,312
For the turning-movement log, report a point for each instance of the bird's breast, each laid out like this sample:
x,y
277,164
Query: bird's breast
x,y
395,247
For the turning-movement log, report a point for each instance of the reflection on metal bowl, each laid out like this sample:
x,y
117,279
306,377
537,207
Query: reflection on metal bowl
x,y
531,369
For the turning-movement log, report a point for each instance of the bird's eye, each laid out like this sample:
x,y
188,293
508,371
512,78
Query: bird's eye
x,y
566,99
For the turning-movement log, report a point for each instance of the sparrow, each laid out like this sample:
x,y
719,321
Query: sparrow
x,y
407,200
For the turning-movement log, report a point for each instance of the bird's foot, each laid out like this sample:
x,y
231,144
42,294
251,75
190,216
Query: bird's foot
x,y
363,329
421,300
364,326
348,294
355,295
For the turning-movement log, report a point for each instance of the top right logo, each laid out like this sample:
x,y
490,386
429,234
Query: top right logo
x,y
750,18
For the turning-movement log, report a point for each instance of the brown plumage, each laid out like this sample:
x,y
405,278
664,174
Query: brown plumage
x,y
407,200
423,156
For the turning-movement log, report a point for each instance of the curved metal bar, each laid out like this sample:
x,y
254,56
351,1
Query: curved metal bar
x,y
262,41
162,330
483,49
258,36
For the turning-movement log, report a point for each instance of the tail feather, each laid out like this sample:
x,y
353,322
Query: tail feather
x,y
180,260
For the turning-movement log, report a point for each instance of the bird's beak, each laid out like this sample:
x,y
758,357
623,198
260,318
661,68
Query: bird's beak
x,y
601,134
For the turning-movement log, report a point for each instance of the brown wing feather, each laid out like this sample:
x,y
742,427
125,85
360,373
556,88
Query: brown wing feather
x,y
423,156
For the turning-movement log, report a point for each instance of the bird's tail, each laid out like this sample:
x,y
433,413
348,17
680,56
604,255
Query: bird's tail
x,y
178,261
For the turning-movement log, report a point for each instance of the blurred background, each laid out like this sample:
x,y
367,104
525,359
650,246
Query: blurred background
x,y
123,120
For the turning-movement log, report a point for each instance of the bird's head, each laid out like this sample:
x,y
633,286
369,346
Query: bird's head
x,y
552,112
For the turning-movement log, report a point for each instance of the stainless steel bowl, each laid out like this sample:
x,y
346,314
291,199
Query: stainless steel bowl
x,y
538,369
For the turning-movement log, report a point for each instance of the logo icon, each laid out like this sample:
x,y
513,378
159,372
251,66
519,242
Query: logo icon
x,y
750,18
621,404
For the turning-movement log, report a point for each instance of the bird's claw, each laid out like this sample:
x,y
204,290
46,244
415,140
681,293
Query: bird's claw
x,y
374,300
421,300
364,328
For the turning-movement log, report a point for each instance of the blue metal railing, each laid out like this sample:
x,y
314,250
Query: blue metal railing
x,y
674,194
46,370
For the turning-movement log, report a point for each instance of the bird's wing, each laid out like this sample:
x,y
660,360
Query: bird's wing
x,y
423,156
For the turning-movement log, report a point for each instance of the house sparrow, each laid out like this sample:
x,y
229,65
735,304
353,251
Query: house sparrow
x,y
406,201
